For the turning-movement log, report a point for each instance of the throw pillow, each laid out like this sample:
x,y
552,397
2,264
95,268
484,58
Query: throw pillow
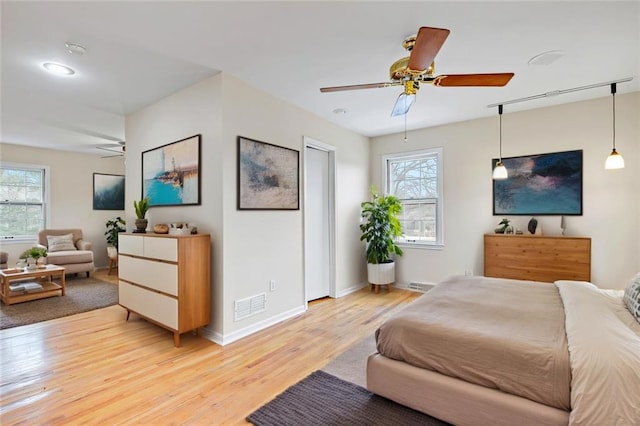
x,y
632,297
60,242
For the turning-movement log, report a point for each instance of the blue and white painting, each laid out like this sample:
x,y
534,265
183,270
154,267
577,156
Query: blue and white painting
x,y
544,184
171,173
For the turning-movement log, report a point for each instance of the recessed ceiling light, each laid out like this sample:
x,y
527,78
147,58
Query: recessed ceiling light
x,y
58,68
75,48
546,58
339,111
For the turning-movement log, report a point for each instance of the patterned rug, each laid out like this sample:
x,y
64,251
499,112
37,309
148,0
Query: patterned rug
x,y
82,295
323,399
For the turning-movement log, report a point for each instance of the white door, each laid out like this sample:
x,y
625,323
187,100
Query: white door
x,y
318,223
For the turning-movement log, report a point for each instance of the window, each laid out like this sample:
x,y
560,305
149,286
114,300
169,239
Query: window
x,y
22,201
416,179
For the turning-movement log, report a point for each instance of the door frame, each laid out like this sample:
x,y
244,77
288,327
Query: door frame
x,y
331,150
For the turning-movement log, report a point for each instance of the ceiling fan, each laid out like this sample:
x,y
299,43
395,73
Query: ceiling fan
x,y
119,150
419,67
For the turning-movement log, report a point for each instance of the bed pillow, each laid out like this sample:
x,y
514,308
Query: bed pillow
x,y
632,297
60,242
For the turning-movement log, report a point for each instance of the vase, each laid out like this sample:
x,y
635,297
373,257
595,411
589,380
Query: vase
x,y
141,226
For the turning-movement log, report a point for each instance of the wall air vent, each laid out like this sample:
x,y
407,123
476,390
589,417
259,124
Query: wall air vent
x,y
245,308
420,286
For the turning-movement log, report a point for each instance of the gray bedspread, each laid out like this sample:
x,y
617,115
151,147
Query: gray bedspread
x,y
498,333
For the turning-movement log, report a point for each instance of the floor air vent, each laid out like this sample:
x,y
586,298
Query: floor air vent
x,y
250,306
420,286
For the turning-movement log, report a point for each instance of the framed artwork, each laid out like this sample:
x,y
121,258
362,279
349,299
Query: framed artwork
x,y
268,176
171,173
543,184
108,192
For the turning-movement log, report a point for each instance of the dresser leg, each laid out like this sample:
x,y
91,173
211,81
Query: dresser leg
x,y
128,313
176,339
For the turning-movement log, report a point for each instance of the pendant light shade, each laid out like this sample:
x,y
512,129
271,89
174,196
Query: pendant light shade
x,y
614,160
500,171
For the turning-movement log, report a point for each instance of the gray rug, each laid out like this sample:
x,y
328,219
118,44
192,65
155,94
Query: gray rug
x,y
323,399
351,365
82,294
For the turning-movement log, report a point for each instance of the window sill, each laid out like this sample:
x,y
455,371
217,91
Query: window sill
x,y
421,246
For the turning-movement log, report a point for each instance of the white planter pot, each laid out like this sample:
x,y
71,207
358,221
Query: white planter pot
x,y
381,273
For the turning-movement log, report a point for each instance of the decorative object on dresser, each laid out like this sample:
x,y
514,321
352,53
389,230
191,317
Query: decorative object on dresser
x,y
171,173
380,229
543,184
160,228
268,176
532,226
166,279
537,258
502,226
141,207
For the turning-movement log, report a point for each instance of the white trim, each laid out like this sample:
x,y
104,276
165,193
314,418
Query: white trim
x,y
331,150
439,244
350,290
225,339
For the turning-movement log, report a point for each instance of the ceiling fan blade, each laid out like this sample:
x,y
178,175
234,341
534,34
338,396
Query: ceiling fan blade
x,y
428,43
466,80
119,151
359,86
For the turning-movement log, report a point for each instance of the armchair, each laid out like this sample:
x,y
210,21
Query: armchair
x,y
66,248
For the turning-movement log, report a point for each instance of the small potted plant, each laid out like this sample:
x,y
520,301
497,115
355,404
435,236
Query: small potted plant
x,y
114,227
380,230
35,253
502,226
141,208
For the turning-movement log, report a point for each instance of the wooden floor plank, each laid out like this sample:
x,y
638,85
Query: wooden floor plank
x,y
97,368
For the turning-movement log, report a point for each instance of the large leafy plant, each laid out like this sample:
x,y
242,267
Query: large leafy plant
x,y
114,226
381,227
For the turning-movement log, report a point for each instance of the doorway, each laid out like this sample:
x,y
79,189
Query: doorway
x,y
319,220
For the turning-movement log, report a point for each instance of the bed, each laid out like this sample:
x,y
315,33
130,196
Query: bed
x,y
476,350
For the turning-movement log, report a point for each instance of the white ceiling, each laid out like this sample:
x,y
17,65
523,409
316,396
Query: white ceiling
x,y
139,52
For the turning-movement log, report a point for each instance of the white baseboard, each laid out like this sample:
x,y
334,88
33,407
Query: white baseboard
x,y
350,290
225,339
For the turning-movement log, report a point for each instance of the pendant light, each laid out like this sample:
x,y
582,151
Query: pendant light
x,y
614,160
500,171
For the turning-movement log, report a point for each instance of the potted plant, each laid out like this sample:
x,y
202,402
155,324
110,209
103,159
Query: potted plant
x,y
34,253
380,229
141,208
114,227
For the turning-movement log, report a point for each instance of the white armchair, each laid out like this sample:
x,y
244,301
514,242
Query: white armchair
x,y
66,248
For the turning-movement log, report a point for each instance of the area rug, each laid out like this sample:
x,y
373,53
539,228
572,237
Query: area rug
x,y
324,399
81,295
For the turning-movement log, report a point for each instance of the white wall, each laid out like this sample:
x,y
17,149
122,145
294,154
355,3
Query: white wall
x,y
611,209
71,180
249,247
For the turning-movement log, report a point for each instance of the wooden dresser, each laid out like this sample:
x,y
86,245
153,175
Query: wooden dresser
x,y
537,257
166,279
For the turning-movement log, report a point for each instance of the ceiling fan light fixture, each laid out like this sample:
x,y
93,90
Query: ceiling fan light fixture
x,y
58,69
403,104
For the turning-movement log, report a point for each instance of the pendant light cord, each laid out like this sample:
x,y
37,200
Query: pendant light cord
x,y
613,97
500,114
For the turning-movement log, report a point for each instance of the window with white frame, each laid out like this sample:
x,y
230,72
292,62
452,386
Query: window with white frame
x,y
416,179
22,201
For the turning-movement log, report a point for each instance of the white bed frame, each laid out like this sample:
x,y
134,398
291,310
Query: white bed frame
x,y
455,401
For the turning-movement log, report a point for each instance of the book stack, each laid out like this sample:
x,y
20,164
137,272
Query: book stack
x,y
28,287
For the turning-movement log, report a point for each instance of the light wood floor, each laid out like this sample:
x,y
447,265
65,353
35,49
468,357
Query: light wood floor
x,y
96,368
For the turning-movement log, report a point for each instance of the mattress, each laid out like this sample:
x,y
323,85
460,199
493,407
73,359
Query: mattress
x,y
497,333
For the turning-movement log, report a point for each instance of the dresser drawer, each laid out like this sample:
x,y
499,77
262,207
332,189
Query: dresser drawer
x,y
158,307
156,275
129,244
161,248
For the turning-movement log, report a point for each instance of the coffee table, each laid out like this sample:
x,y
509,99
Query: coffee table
x,y
42,276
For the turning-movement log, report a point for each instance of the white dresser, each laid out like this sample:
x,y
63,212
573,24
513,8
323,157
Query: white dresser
x,y
166,279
